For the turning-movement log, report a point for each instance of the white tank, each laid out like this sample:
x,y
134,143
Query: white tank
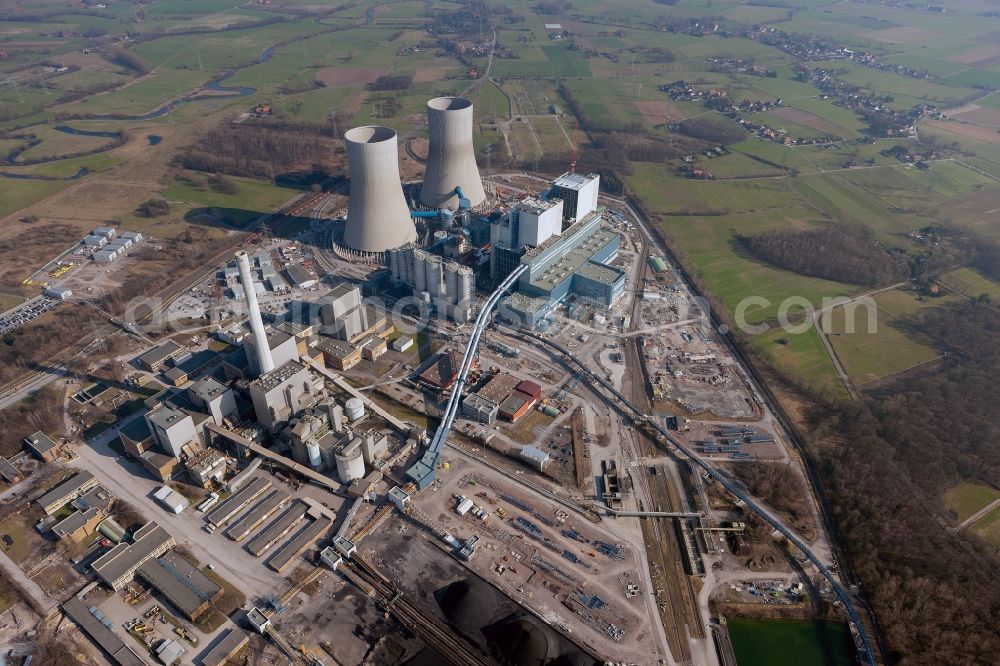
x,y
378,218
350,462
355,409
315,459
451,157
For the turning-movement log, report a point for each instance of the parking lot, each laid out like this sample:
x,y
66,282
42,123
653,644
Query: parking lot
x,y
26,312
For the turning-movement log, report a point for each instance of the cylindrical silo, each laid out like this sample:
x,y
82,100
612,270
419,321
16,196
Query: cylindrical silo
x,y
419,270
315,460
392,258
465,285
355,409
451,282
434,276
451,157
377,217
350,462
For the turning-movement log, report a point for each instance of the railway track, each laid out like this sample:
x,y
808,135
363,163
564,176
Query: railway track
x,y
428,628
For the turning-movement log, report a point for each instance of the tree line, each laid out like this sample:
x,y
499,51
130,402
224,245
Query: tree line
x,y
835,252
260,150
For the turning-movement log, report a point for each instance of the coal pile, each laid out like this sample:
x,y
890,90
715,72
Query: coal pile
x,y
511,636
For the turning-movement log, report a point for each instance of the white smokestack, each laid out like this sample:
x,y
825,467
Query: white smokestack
x,y
451,159
378,218
264,361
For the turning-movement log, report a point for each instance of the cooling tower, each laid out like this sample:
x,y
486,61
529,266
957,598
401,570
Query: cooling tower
x,y
451,159
265,362
378,218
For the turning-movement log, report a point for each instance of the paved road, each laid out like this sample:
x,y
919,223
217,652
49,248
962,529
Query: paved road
x,y
29,586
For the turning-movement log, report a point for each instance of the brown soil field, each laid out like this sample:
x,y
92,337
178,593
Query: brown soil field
x,y
977,56
801,117
903,35
339,76
38,44
981,115
977,212
977,132
433,70
656,113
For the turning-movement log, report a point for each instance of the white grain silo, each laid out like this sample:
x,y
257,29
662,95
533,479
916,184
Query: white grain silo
x,y
377,217
355,409
315,459
350,461
451,157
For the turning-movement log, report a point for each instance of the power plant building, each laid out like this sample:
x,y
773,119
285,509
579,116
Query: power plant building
x,y
451,157
578,193
280,394
536,221
378,218
576,263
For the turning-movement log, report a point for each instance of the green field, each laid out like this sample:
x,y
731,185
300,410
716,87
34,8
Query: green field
x,y
966,499
970,283
879,342
790,643
989,527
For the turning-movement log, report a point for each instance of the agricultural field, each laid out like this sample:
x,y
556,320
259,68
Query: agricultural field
x,y
875,340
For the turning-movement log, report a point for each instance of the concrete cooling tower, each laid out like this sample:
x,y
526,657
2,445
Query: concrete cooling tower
x,y
378,218
451,158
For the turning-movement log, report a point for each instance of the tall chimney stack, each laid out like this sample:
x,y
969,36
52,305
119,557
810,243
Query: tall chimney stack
x,y
451,157
264,361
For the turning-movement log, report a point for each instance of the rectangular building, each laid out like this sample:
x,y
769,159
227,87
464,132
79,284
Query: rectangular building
x,y
339,354
66,491
41,446
100,629
186,588
477,408
536,220
233,642
239,501
579,194
118,566
157,357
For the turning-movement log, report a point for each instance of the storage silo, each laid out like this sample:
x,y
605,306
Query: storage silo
x,y
435,279
378,218
355,409
451,281
350,461
420,270
451,157
465,285
315,460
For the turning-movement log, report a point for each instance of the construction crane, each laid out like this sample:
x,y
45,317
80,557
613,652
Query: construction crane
x,y
572,164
